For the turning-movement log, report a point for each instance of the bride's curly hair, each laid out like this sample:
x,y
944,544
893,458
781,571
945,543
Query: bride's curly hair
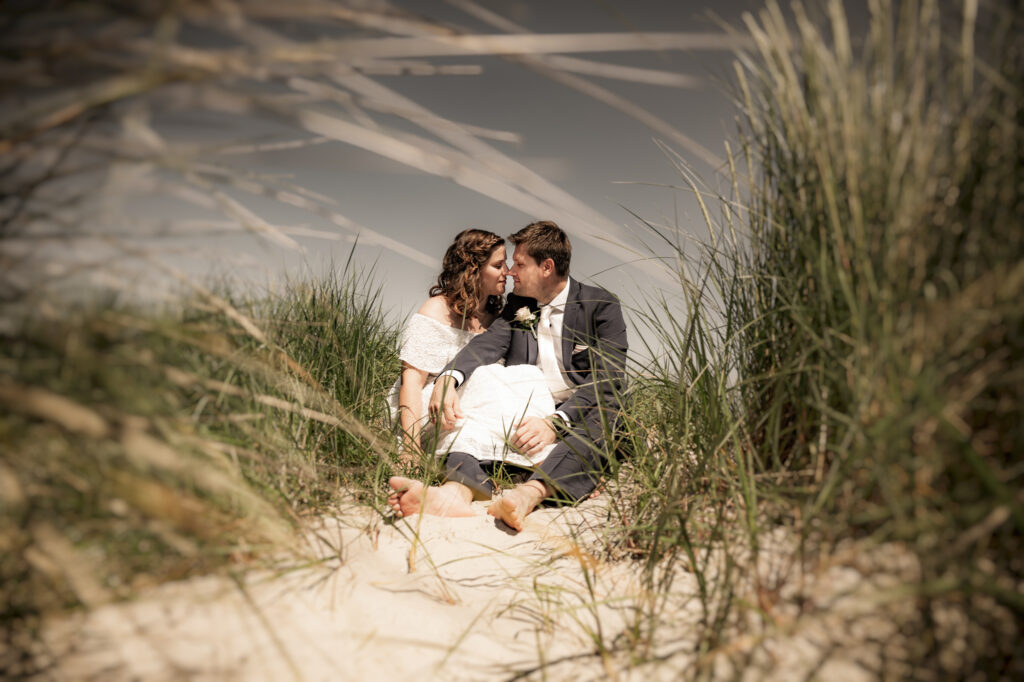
x,y
459,281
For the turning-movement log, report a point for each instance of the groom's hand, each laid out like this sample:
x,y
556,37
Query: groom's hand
x,y
533,434
444,403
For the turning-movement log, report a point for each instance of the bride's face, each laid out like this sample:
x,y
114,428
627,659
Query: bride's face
x,y
493,273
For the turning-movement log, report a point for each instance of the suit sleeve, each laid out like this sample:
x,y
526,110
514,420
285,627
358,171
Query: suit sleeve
x,y
484,349
607,333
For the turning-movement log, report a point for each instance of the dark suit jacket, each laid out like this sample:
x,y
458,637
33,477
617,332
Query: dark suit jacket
x,y
593,347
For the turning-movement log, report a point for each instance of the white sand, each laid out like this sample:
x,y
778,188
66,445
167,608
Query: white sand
x,y
429,597
466,599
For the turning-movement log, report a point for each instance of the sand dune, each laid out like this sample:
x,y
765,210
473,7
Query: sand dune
x,y
431,598
428,597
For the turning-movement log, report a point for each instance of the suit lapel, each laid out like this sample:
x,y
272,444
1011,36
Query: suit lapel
x,y
531,338
570,322
531,348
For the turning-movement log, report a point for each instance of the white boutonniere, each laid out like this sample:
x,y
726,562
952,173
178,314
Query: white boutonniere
x,y
526,320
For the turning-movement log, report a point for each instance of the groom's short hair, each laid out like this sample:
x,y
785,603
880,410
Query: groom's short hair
x,y
544,239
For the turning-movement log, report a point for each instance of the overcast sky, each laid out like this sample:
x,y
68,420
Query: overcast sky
x,y
577,143
602,158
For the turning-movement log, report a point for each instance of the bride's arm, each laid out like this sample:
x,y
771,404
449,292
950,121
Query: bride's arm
x,y
410,403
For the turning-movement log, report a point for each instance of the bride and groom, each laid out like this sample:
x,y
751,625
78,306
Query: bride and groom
x,y
531,383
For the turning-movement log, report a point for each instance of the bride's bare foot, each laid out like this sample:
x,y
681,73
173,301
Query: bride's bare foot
x,y
514,505
411,497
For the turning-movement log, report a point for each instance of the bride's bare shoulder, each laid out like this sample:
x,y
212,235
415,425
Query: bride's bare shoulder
x,y
436,308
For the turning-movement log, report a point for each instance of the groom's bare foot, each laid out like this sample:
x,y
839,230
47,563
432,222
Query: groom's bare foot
x,y
411,497
406,495
514,505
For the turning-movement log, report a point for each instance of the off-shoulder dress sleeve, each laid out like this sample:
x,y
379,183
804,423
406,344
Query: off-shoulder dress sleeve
x,y
429,345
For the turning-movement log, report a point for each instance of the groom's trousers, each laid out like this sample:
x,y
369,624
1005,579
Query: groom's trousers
x,y
573,468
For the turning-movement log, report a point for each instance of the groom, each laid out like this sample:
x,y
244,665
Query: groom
x,y
576,335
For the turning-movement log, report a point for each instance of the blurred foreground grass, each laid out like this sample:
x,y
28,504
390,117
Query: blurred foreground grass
x,y
849,371
853,364
141,447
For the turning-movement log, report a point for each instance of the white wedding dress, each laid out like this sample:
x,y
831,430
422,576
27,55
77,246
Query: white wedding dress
x,y
493,400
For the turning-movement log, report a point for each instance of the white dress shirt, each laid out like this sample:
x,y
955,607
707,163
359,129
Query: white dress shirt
x,y
552,341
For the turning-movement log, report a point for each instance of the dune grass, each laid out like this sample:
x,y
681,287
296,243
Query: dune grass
x,y
851,365
141,447
849,369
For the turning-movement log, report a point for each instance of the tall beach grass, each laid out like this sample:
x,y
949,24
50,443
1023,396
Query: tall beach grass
x,y
849,370
141,447
851,367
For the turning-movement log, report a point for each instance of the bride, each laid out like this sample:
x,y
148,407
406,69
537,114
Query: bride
x,y
466,299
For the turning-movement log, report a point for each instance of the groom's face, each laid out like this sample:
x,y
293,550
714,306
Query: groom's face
x,y
528,276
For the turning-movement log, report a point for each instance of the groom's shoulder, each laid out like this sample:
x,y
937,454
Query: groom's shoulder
x,y
597,295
